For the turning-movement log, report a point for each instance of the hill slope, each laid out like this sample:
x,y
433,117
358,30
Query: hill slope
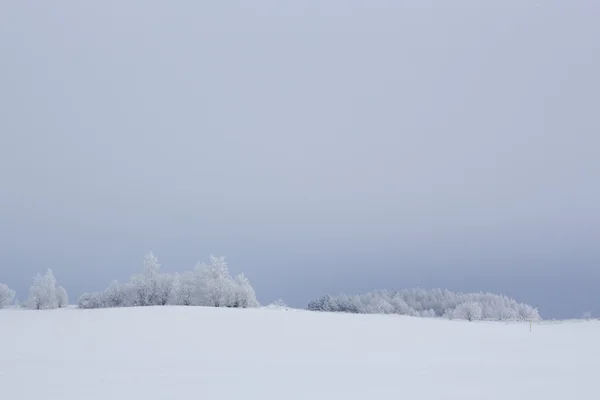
x,y
195,352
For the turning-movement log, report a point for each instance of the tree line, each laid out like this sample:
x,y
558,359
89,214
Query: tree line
x,y
212,285
44,294
206,285
429,303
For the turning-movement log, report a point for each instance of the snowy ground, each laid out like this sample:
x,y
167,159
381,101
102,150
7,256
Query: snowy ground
x,y
207,353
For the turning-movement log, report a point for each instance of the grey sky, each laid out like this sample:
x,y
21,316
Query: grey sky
x,y
320,146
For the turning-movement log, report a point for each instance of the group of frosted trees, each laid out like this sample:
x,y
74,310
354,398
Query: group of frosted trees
x,y
429,303
212,285
7,295
207,285
44,293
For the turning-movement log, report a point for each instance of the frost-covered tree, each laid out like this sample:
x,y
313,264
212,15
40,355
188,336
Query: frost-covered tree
x,y
323,303
7,295
91,300
470,311
379,305
184,289
278,304
119,295
151,287
62,298
145,284
218,286
212,285
244,295
164,289
116,295
42,294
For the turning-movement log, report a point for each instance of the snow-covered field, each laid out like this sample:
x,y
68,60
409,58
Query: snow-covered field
x,y
209,353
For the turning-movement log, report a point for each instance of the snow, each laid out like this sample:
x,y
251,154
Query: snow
x,y
216,353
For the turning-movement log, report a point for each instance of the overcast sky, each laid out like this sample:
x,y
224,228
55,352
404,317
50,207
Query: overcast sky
x,y
321,146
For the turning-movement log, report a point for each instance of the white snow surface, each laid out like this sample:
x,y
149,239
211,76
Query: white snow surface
x,y
215,353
